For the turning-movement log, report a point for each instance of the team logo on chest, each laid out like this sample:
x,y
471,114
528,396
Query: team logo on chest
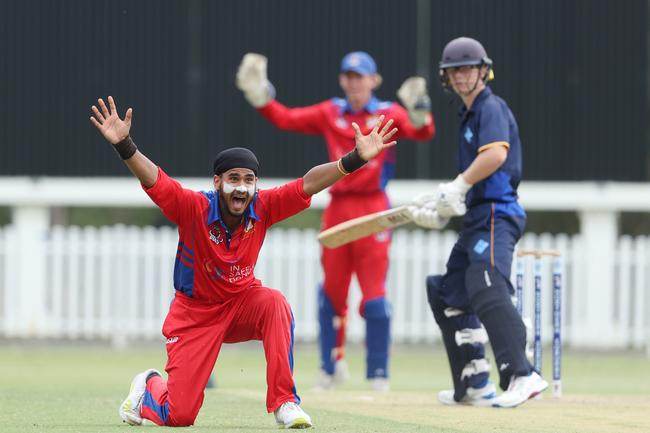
x,y
469,135
341,123
249,229
215,234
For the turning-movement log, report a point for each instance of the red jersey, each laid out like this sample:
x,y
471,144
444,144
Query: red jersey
x,y
333,120
213,264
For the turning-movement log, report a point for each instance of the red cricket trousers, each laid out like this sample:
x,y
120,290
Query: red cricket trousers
x,y
195,332
366,257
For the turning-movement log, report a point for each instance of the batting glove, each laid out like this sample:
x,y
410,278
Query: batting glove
x,y
413,94
428,218
423,212
450,197
252,80
426,199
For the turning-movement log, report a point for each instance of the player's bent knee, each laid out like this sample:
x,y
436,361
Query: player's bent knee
x,y
434,285
276,307
324,303
377,309
182,419
436,303
278,297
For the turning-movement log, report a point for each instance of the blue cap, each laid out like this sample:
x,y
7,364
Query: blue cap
x,y
359,62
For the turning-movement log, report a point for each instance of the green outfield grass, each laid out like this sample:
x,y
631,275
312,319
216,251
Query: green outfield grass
x,y
63,389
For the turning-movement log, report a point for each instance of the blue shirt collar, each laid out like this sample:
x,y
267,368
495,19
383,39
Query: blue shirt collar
x,y
214,214
371,106
485,93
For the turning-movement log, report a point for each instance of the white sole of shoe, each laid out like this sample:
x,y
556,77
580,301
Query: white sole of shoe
x,y
298,423
532,395
477,403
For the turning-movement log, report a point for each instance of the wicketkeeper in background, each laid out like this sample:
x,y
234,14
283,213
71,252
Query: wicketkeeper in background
x,y
476,287
218,299
356,195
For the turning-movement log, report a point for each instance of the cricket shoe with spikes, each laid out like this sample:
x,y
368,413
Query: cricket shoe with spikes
x,y
290,415
520,390
483,396
130,408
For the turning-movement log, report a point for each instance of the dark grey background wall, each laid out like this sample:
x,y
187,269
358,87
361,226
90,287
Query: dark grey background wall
x,y
575,73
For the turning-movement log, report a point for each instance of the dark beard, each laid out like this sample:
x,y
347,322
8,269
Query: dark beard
x,y
223,206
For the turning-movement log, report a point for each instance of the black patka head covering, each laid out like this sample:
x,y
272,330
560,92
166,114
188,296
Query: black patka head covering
x,y
235,157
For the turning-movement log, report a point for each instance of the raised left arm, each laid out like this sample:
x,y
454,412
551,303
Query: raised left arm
x,y
116,131
367,147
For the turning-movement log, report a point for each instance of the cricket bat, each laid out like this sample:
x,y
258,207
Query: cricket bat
x,y
366,225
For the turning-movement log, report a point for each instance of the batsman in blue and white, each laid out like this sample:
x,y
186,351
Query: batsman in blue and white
x,y
476,288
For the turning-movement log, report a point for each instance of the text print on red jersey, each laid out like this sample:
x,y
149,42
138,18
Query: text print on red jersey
x,y
238,272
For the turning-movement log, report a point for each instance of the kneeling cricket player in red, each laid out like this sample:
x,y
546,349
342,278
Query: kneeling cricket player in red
x,y
218,299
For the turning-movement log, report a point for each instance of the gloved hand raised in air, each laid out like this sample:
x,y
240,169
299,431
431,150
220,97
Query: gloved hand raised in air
x,y
423,212
414,97
450,197
252,80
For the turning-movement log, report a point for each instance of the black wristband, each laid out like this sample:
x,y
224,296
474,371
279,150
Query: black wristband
x,y
126,148
352,161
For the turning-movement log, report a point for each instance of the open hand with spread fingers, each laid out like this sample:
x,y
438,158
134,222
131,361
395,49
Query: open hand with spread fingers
x,y
369,146
107,121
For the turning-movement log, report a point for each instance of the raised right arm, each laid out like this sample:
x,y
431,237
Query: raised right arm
x,y
116,132
174,200
308,120
252,80
366,148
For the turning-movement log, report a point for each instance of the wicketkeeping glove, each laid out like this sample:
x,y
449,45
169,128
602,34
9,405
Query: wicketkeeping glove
x,y
413,94
450,197
252,80
423,212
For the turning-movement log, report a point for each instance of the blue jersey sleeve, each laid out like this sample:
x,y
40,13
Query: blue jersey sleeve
x,y
493,125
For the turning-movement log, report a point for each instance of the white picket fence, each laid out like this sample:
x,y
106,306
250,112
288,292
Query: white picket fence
x,y
116,283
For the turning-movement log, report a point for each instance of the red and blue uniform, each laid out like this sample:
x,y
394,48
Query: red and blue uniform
x,y
218,299
359,194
